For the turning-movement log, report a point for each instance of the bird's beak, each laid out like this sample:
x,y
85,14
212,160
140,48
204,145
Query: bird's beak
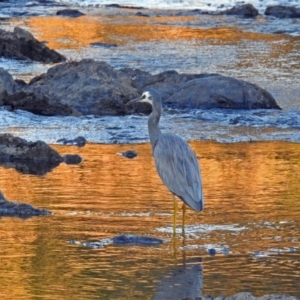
x,y
135,100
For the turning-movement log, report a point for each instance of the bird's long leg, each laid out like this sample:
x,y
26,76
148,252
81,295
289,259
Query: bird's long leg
x,y
175,215
183,216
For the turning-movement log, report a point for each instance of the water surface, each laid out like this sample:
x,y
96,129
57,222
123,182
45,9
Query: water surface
x,y
251,220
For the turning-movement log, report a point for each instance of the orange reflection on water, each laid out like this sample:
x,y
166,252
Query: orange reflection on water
x,y
107,194
80,32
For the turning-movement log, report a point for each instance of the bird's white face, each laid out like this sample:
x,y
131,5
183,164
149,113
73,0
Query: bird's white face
x,y
146,97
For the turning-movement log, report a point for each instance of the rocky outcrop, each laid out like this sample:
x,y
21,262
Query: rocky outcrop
x,y
7,83
217,91
18,209
87,86
90,87
21,44
27,157
280,11
37,103
245,10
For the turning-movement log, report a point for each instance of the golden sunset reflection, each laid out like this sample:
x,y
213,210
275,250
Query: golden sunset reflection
x,y
253,187
65,33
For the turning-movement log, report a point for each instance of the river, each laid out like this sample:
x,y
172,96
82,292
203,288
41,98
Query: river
x,y
246,239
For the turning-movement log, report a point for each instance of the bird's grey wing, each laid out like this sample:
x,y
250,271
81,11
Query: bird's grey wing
x,y
178,167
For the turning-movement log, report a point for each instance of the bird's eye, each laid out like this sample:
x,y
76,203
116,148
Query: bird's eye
x,y
144,97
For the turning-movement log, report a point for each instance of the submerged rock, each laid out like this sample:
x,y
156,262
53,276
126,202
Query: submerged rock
x,y
21,44
280,11
72,159
17,209
27,157
127,239
79,141
123,239
103,45
74,13
129,154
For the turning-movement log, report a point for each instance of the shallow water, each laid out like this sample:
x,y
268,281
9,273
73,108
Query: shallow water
x,y
245,49
251,221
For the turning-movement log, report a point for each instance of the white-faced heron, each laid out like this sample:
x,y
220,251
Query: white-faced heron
x,y
175,161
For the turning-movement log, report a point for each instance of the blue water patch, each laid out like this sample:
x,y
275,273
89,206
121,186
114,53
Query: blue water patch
x,y
224,126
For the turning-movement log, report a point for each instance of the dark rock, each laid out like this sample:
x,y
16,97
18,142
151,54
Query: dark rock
x,y
37,103
123,239
87,86
219,91
129,154
20,44
246,11
91,87
74,13
103,45
126,239
21,210
280,11
72,159
7,83
79,141
113,5
27,157
141,14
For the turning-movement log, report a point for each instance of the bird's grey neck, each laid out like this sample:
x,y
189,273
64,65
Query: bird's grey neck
x,y
153,128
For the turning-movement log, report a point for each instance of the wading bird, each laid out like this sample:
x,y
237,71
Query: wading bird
x,y
175,161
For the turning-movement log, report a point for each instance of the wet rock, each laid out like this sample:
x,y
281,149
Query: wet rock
x,y
123,239
127,239
141,14
129,154
91,87
27,157
7,83
246,11
87,86
74,13
113,5
17,209
20,44
103,45
37,103
79,141
280,11
219,91
72,159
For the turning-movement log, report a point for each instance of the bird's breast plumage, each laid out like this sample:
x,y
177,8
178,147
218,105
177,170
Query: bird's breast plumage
x,y
178,167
